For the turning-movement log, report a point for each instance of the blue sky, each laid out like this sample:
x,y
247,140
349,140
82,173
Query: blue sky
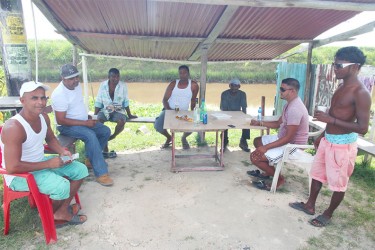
x,y
45,30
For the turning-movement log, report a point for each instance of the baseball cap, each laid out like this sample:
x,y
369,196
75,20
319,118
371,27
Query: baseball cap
x,y
31,86
235,82
68,71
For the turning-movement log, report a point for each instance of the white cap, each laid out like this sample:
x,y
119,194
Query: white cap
x,y
31,86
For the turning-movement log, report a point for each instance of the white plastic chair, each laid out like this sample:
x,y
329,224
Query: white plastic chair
x,y
299,158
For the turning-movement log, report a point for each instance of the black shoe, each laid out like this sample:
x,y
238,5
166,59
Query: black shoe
x,y
243,145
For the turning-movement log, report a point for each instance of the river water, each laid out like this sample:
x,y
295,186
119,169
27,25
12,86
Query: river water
x,y
153,93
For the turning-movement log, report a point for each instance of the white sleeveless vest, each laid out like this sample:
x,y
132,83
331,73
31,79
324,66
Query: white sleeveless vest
x,y
182,97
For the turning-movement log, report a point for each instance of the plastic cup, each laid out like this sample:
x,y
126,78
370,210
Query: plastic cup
x,y
321,108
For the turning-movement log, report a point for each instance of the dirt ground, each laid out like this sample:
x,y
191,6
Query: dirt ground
x,y
150,207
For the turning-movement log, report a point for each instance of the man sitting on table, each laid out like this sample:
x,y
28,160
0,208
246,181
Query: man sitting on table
x,y
234,99
293,128
22,141
181,92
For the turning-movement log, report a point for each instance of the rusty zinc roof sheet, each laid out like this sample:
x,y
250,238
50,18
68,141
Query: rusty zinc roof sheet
x,y
178,30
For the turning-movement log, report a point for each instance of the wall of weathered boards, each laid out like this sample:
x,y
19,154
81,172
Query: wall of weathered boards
x,y
323,83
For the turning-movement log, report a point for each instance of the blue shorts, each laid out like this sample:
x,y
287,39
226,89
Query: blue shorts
x,y
159,122
52,182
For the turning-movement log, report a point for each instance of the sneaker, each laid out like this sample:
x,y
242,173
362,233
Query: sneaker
x,y
105,180
243,145
88,163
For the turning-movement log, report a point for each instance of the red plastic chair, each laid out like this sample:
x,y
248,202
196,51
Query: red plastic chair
x,y
36,199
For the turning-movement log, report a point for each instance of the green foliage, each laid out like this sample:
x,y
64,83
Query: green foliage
x,y
325,55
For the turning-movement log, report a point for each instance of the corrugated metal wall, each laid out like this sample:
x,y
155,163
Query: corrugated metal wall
x,y
287,70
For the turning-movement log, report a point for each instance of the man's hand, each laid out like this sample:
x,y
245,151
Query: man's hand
x,y
323,117
90,123
66,153
254,123
55,162
259,152
317,141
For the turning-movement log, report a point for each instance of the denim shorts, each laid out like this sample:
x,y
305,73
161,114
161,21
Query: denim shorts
x,y
52,182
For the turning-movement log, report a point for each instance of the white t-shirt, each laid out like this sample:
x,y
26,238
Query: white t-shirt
x,y
69,101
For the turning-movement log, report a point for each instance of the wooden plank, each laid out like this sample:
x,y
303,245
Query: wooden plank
x,y
142,120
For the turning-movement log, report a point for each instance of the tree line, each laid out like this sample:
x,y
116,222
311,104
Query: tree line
x,y
54,53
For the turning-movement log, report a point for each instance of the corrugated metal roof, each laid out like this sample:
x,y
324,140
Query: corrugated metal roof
x,y
175,30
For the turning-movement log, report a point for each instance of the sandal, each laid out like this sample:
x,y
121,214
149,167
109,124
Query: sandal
x,y
256,173
111,154
75,220
262,185
300,206
320,221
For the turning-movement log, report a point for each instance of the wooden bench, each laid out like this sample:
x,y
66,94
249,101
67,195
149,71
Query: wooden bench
x,y
142,120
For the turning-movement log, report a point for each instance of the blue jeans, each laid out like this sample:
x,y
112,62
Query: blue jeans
x,y
95,139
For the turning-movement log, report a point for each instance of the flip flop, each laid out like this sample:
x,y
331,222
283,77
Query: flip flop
x,y
256,173
262,185
300,206
71,208
110,154
320,221
166,145
76,220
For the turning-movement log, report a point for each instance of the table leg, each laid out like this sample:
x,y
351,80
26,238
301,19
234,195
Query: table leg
x,y
216,156
173,150
222,149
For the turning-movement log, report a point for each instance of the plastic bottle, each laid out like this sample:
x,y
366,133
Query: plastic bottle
x,y
197,112
203,110
259,117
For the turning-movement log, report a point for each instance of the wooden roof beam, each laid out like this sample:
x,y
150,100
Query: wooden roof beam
x,y
215,32
182,39
310,4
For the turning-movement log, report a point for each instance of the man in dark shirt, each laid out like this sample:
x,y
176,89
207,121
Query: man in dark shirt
x,y
234,99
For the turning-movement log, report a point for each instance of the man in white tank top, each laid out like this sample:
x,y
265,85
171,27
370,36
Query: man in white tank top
x,y
22,139
181,92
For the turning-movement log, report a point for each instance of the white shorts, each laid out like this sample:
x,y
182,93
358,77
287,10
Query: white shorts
x,y
274,154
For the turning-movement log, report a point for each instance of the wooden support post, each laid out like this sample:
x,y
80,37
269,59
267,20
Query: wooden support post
x,y
85,83
308,90
202,89
263,106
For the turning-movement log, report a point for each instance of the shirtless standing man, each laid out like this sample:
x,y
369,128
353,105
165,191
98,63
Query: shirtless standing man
x,y
348,116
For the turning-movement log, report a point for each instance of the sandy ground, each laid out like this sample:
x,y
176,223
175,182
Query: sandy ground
x,y
150,207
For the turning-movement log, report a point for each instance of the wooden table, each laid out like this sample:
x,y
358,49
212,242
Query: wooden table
x,y
218,121
8,103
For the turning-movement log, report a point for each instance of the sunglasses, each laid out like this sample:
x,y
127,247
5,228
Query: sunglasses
x,y
283,90
341,65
